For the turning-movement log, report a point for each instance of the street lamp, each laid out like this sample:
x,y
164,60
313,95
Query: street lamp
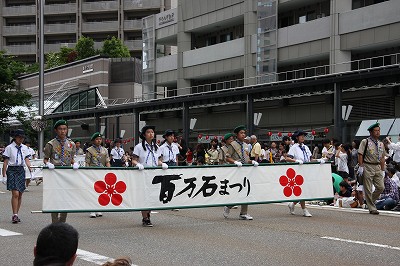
x,y
40,4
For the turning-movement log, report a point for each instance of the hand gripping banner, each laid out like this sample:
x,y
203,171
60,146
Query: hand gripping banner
x,y
128,189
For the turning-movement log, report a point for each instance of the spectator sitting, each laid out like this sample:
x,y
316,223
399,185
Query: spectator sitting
x,y
56,245
345,189
390,195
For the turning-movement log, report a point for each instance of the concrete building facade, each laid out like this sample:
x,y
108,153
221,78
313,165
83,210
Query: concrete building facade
x,y
67,20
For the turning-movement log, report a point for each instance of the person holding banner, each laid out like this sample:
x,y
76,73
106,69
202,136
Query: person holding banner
x,y
97,156
169,150
300,153
117,153
147,153
78,149
237,152
15,156
60,151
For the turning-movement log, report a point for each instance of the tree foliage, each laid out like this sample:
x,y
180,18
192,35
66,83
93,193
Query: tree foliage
x,y
85,48
115,48
11,95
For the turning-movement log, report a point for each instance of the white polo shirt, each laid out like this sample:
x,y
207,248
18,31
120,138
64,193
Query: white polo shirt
x,y
300,153
148,157
395,147
16,158
169,152
117,153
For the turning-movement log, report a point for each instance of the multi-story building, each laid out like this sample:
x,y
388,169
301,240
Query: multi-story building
x,y
295,62
66,20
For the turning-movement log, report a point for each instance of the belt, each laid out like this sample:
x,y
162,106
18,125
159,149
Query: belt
x,y
15,166
372,163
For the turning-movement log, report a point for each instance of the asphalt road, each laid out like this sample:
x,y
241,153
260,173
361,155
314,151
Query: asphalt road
x,y
204,237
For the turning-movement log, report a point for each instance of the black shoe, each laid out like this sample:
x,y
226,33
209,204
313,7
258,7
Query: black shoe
x,y
374,212
147,223
396,209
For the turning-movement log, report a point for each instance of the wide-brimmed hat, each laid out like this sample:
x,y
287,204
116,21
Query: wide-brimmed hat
x,y
168,132
298,133
144,129
19,133
117,140
96,135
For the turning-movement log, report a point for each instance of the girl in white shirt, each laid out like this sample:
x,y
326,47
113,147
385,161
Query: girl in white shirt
x,y
16,156
146,153
342,155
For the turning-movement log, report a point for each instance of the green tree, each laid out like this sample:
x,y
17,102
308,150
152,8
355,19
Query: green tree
x,y
10,94
115,48
85,48
54,59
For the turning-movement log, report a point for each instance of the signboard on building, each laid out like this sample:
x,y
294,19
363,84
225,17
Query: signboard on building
x,y
166,18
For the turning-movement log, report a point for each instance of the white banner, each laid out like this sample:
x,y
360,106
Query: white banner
x,y
128,189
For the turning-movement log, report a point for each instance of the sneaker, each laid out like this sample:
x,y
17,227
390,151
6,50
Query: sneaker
x,y
99,214
226,211
245,217
306,213
38,181
235,207
26,190
92,215
14,219
291,208
147,223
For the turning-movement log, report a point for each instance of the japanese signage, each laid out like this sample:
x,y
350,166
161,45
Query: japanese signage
x,y
102,189
87,68
166,18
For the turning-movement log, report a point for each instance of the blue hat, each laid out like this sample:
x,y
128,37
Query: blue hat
x,y
144,129
371,127
298,133
19,133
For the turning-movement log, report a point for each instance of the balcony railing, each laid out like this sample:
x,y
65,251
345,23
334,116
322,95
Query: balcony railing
x,y
133,24
137,4
19,11
134,45
21,49
100,6
60,8
19,30
60,28
100,26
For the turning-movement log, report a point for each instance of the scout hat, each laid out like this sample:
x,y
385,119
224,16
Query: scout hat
x,y
238,128
19,133
60,123
168,132
228,135
117,140
144,129
96,135
298,133
77,140
371,127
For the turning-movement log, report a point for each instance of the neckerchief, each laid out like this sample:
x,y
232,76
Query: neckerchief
x,y
98,156
62,143
303,149
242,159
152,153
19,152
377,148
170,152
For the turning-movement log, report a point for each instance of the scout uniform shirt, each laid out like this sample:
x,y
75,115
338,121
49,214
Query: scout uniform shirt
x,y
117,153
169,153
238,152
60,152
97,156
79,152
148,157
16,155
374,152
300,152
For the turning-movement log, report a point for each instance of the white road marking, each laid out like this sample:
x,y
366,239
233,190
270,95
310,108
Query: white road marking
x,y
93,257
4,232
361,242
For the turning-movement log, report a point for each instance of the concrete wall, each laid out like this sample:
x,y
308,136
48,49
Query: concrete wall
x,y
166,63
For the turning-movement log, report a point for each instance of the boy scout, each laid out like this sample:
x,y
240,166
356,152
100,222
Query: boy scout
x,y
60,151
